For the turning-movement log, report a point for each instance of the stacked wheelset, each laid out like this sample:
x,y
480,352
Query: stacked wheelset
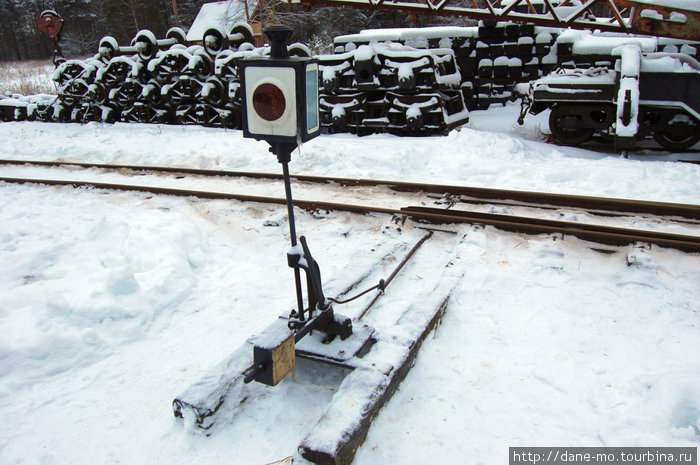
x,y
157,81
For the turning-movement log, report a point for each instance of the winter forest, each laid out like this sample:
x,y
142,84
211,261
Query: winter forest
x,y
86,21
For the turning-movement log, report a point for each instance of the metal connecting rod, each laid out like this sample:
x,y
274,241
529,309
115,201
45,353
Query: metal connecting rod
x,y
293,235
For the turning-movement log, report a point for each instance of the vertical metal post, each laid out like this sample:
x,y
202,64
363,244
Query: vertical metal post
x,y
292,233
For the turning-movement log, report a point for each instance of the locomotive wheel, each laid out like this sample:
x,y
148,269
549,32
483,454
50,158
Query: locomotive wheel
x,y
153,95
232,120
203,66
680,132
566,126
96,93
108,115
127,93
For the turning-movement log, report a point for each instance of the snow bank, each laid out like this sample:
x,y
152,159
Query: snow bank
x,y
113,303
466,156
525,355
105,291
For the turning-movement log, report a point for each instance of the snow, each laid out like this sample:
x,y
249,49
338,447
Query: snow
x,y
689,49
406,69
338,111
677,17
587,43
630,60
669,63
544,37
628,92
651,14
223,14
501,61
111,304
364,53
421,35
413,111
691,5
629,65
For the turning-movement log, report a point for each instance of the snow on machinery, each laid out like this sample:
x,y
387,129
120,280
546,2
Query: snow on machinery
x,y
679,21
153,80
173,80
500,60
393,88
620,88
488,57
417,81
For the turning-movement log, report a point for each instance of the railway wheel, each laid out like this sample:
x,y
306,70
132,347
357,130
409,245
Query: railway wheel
x,y
152,93
299,50
146,44
242,33
96,93
201,65
566,125
214,91
108,47
215,40
177,34
680,132
231,119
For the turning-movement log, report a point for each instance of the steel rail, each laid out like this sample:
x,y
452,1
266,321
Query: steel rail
x,y
596,205
594,233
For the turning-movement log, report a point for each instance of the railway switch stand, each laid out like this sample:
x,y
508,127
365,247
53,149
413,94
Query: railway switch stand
x,y
280,106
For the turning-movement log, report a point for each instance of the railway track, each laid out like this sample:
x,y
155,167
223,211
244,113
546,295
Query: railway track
x,y
450,195
458,194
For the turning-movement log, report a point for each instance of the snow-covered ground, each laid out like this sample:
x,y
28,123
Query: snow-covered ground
x,y
111,304
27,77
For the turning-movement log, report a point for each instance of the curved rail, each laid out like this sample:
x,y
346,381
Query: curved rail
x,y
594,233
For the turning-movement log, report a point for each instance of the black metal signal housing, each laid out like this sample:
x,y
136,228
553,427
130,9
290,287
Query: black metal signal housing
x,y
280,94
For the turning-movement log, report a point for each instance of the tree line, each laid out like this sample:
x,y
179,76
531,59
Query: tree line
x,y
87,21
